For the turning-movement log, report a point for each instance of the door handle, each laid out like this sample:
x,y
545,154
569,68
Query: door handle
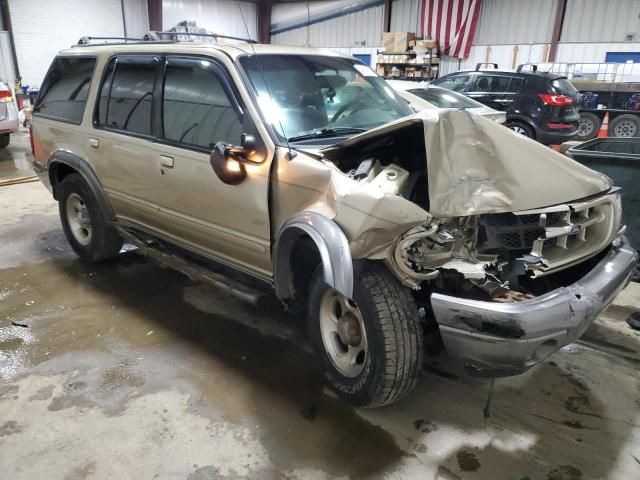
x,y
166,161
94,142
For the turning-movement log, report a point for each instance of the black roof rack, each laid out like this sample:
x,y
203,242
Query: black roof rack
x,y
158,36
534,67
478,65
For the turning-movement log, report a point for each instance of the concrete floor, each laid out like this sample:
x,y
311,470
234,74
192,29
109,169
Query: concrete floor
x,y
127,371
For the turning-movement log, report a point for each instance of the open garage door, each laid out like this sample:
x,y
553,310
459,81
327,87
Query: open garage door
x,y
41,28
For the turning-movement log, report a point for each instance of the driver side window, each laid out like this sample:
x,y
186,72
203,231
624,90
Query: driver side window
x,y
196,110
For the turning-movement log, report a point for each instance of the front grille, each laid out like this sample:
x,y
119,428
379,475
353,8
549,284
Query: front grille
x,y
558,236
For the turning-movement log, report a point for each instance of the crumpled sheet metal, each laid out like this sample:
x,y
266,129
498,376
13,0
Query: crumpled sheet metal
x,y
371,220
477,166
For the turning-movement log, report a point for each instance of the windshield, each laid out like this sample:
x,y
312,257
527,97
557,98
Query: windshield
x,y
300,95
444,98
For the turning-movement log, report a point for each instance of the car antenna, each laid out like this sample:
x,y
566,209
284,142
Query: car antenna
x,y
291,154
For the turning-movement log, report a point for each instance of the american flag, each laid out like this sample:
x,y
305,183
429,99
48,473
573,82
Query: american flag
x,y
452,23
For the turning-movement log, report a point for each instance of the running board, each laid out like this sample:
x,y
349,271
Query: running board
x,y
194,272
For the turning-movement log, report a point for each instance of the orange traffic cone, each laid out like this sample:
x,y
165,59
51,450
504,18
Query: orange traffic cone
x,y
604,127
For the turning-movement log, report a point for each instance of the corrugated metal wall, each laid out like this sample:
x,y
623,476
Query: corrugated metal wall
x,y
515,21
221,16
601,20
405,16
358,29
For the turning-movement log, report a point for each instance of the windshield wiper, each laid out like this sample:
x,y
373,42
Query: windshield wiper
x,y
327,133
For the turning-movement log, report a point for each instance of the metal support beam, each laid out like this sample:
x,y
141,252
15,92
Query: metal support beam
x,y
155,15
557,29
264,21
386,16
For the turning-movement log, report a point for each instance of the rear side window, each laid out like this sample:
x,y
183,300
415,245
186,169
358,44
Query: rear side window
x,y
65,89
196,109
498,84
126,95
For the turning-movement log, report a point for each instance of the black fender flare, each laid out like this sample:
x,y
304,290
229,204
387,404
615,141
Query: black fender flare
x,y
332,245
83,168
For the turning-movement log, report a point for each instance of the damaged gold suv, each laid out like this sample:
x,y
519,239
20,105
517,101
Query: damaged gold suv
x,y
261,168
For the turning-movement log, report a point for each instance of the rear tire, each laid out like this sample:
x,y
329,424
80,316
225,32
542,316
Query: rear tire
x,y
383,319
521,128
588,126
4,140
87,230
625,125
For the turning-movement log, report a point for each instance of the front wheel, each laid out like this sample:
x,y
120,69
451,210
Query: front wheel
x,y
4,140
370,347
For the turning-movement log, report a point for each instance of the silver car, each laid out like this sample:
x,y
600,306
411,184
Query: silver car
x,y
8,115
422,96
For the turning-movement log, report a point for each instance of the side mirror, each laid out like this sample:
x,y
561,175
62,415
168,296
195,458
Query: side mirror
x,y
228,160
228,168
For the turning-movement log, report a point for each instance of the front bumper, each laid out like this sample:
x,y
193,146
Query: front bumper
x,y
502,339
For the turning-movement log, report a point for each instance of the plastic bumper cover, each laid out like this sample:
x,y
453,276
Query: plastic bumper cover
x,y
501,339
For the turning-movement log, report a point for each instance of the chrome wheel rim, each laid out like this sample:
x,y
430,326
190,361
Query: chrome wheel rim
x,y
519,130
78,219
585,127
343,333
625,128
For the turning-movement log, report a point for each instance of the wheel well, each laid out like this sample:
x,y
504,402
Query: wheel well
x,y
303,261
57,173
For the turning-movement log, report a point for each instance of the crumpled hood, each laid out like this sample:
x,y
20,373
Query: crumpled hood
x,y
476,166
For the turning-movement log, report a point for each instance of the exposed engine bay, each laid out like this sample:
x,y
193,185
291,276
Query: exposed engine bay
x,y
488,256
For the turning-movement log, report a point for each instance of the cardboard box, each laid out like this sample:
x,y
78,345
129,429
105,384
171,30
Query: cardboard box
x,y
388,41
418,73
402,40
426,44
410,72
380,70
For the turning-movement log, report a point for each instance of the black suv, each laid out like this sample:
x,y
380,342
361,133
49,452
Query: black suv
x,y
542,106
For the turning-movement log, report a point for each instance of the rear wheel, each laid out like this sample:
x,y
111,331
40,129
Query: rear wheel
x,y
588,126
521,128
88,232
626,125
370,347
4,140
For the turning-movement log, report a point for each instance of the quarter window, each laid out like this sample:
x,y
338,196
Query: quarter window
x,y
126,95
65,89
196,109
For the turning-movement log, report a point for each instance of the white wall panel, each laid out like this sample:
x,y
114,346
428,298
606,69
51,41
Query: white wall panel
x,y
358,29
515,21
220,16
7,71
136,17
601,20
405,16
41,28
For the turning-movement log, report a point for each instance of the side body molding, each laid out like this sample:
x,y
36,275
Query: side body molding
x,y
332,245
70,159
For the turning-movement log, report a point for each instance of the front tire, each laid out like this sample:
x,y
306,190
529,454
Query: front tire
x,y
87,230
370,348
4,140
